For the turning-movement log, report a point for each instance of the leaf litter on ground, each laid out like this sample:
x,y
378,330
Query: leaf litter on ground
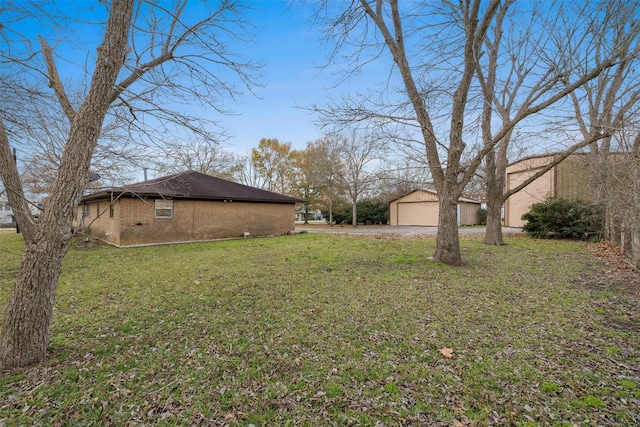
x,y
317,329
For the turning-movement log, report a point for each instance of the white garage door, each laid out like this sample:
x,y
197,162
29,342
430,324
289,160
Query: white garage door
x,y
418,213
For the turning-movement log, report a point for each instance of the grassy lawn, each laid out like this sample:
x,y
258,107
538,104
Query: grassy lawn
x,y
319,329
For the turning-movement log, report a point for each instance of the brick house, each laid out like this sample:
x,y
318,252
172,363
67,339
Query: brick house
x,y
185,207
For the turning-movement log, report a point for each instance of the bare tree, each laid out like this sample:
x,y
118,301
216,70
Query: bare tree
x,y
437,51
405,165
137,71
43,145
248,175
409,36
357,153
203,156
620,174
540,74
400,177
327,167
610,105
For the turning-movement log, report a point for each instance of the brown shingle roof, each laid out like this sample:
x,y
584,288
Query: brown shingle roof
x,y
193,185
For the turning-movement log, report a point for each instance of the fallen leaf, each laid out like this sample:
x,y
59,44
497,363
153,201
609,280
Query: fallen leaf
x,y
447,352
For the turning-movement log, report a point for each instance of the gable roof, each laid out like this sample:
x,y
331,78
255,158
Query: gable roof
x,y
426,190
192,185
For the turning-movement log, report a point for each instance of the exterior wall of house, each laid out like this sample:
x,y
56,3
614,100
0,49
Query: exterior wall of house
x,y
571,179
469,213
519,203
574,178
134,221
96,219
422,208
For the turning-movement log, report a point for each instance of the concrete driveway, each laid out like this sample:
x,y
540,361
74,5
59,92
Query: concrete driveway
x,y
387,229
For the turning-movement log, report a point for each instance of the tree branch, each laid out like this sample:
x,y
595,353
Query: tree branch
x,y
54,80
136,74
13,187
558,159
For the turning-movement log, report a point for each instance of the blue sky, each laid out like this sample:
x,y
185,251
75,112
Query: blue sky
x,y
285,40
290,47
294,77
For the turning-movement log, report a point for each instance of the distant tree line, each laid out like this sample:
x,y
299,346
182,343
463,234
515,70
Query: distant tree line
x,y
347,176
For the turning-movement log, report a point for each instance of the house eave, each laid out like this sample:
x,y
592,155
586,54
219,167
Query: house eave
x,y
113,195
426,190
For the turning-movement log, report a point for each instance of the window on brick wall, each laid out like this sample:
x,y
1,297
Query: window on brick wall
x,y
164,208
110,211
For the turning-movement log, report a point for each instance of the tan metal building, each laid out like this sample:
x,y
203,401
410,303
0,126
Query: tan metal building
x,y
570,179
184,207
420,207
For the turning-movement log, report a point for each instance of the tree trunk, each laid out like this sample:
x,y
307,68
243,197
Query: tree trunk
x,y
634,206
635,245
495,186
448,241
495,200
613,231
13,188
354,214
493,233
25,333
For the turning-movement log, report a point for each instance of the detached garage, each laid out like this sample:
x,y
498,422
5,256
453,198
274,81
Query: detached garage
x,y
420,207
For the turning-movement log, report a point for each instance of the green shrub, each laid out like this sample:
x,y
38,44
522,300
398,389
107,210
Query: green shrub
x,y
368,212
563,219
373,212
482,219
341,214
